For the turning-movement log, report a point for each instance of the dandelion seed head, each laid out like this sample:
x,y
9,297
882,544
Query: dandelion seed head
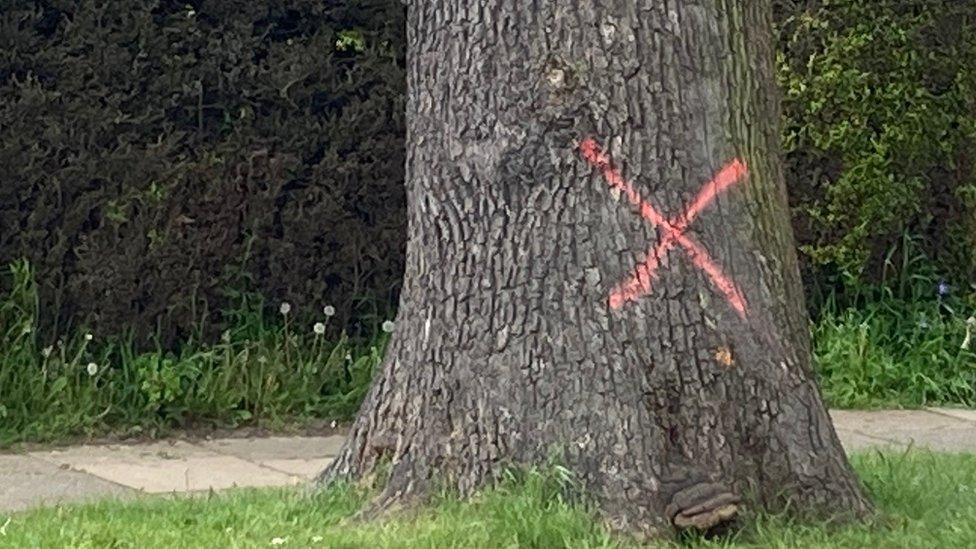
x,y
285,308
88,337
319,328
388,326
92,368
328,311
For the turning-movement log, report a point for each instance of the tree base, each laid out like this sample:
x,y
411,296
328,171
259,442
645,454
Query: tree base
x,y
684,501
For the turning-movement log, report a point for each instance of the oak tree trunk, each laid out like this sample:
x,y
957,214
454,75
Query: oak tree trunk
x,y
600,266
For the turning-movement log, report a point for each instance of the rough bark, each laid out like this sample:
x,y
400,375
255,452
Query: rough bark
x,y
672,408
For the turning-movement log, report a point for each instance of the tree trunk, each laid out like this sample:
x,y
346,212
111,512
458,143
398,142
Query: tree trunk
x,y
601,266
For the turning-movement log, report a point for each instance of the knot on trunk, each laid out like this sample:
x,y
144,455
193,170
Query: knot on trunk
x,y
702,506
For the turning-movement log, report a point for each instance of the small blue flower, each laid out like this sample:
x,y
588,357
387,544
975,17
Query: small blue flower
x,y
943,288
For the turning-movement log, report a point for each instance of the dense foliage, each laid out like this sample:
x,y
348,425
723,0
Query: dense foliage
x,y
159,157
880,136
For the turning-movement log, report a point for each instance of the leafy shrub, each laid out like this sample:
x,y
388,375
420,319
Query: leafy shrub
x,y
880,133
160,156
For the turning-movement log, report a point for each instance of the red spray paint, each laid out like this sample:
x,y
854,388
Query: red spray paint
x,y
673,230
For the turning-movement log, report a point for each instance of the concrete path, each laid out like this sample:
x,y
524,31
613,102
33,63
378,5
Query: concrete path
x,y
86,473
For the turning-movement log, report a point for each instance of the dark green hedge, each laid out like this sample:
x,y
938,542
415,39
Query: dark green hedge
x,y
156,154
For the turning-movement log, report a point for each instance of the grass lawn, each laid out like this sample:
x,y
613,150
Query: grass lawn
x,y
924,499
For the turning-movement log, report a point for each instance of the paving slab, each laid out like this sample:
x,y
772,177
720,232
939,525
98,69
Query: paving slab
x,y
300,457
27,482
958,413
305,469
852,441
277,448
918,428
160,467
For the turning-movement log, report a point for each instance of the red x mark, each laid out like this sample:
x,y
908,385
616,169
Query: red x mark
x,y
674,230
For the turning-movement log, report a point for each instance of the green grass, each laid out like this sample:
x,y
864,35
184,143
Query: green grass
x,y
924,500
898,345
896,353
267,372
906,342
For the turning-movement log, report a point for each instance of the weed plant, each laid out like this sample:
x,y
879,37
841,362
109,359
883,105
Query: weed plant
x,y
909,342
264,371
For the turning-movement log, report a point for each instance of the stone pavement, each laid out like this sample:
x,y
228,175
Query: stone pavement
x,y
85,473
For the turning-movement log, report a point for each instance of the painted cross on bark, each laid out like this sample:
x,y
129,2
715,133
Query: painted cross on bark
x,y
673,230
